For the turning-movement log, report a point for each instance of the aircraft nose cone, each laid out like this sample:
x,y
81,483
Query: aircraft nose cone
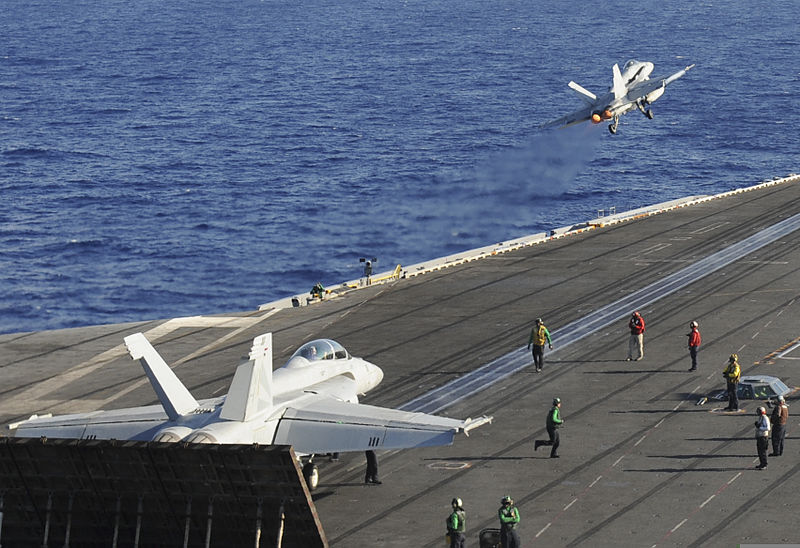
x,y
375,374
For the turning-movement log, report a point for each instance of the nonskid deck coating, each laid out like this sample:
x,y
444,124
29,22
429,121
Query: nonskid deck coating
x,y
641,464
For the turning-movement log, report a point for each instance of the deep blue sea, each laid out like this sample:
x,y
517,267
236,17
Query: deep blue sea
x,y
162,158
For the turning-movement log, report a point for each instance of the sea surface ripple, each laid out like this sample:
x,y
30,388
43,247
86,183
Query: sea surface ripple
x,y
162,159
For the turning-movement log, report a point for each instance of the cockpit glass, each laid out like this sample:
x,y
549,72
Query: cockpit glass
x,y
629,64
762,391
321,349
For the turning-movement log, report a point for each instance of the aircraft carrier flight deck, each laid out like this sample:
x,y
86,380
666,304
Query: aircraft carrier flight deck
x,y
641,464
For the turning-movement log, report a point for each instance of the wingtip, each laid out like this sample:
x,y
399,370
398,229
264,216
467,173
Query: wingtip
x,y
471,424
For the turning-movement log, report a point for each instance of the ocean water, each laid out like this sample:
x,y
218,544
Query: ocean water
x,y
164,158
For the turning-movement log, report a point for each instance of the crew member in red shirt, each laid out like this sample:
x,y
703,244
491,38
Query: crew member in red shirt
x,y
636,342
694,344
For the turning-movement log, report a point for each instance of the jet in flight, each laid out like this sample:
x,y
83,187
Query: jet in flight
x,y
631,88
310,403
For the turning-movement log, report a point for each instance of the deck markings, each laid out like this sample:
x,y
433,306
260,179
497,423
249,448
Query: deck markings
x,y
699,507
543,529
499,369
22,402
677,526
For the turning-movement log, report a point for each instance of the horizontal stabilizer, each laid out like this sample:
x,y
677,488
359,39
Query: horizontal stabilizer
x,y
171,392
583,93
251,388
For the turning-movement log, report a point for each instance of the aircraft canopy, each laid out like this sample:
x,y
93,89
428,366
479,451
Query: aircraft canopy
x,y
321,349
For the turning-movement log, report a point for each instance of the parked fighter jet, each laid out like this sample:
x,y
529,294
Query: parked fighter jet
x,y
310,403
631,88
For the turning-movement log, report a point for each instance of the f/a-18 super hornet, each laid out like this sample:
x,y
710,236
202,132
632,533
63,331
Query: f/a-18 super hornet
x,y
310,403
631,88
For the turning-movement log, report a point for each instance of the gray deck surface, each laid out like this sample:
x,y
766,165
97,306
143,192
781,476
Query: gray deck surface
x,y
641,464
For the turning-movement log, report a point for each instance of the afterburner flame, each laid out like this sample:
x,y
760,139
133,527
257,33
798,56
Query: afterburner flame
x,y
596,119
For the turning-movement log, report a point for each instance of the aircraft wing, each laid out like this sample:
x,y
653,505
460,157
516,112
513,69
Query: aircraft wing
x,y
653,88
132,423
327,425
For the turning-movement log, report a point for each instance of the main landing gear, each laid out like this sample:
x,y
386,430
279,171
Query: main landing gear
x,y
648,112
612,127
311,475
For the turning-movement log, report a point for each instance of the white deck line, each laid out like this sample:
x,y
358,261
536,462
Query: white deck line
x,y
502,367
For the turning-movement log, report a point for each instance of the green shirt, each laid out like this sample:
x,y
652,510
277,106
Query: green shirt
x,y
457,522
554,418
509,516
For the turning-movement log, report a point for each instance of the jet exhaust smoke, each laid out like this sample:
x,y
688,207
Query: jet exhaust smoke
x,y
506,195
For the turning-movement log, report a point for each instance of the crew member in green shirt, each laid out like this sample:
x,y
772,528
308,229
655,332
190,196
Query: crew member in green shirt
x,y
509,520
457,525
553,423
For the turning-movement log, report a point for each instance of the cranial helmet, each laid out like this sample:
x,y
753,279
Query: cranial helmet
x,y
733,358
556,401
693,324
506,499
456,503
781,399
761,411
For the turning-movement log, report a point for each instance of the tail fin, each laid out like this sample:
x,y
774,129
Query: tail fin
x,y
618,87
171,392
251,388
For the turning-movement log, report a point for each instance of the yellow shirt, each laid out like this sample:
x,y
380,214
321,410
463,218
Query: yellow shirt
x,y
733,372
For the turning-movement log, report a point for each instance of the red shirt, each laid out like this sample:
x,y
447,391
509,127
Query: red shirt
x,y
637,325
694,337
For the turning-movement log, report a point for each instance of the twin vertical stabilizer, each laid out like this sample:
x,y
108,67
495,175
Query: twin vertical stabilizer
x,y
250,392
618,85
251,389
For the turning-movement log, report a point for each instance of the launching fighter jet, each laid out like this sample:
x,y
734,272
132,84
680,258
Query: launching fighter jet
x,y
631,88
310,403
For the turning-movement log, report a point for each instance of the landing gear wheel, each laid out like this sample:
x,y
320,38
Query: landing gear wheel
x,y
649,114
311,475
613,129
